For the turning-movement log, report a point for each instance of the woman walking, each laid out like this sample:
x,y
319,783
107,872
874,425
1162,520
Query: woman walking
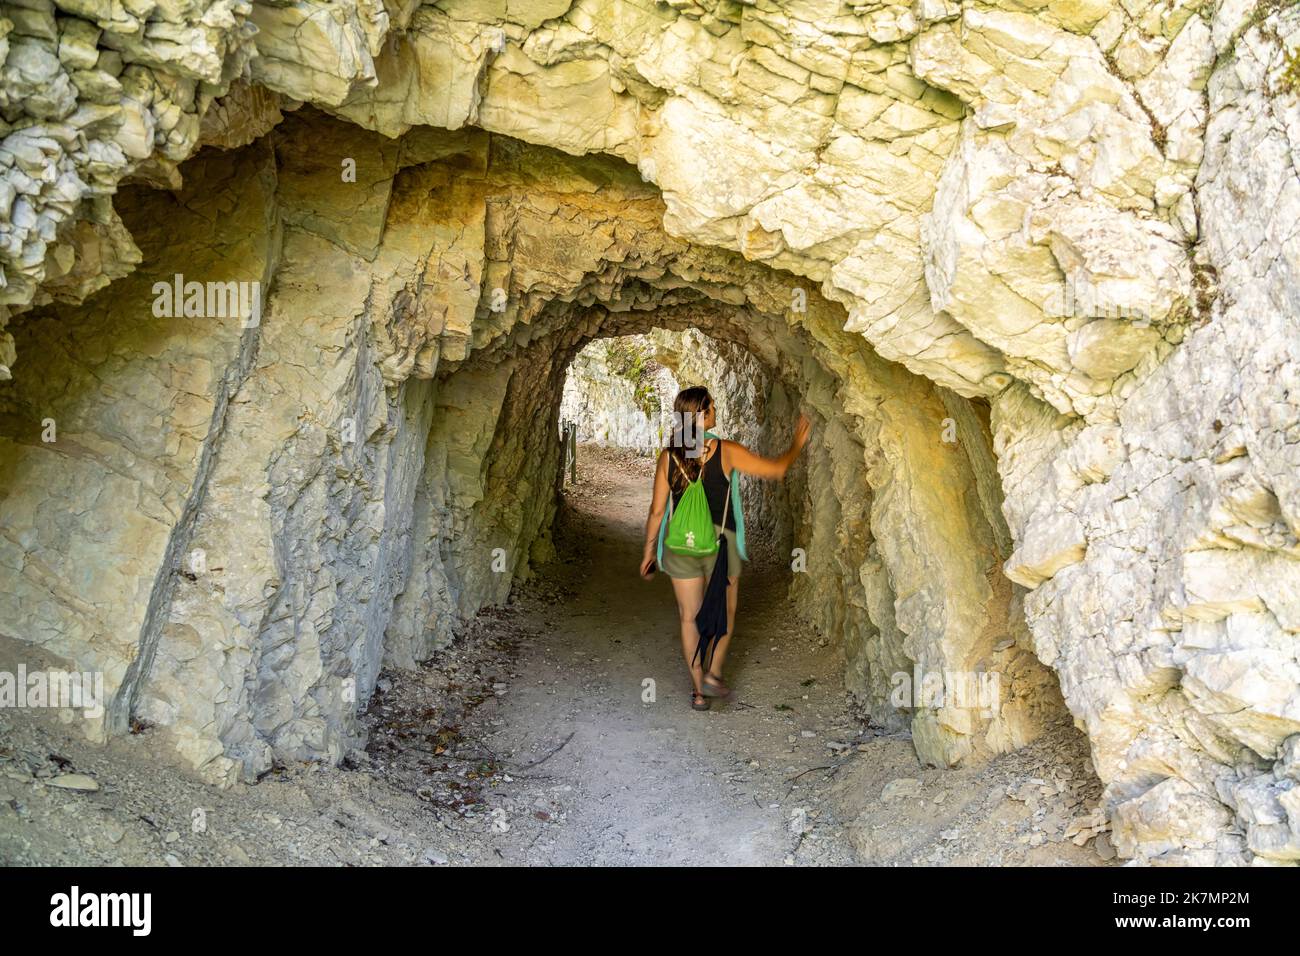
x,y
692,454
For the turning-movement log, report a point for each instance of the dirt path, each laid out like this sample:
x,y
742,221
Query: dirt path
x,y
533,739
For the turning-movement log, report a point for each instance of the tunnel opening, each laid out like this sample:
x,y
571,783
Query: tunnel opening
x,y
611,370
618,397
618,393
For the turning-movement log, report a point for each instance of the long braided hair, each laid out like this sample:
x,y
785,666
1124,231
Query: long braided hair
x,y
688,435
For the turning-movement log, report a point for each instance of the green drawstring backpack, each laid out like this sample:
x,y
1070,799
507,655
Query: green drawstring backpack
x,y
690,524
733,501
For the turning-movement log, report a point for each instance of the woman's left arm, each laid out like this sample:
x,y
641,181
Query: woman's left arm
x,y
658,504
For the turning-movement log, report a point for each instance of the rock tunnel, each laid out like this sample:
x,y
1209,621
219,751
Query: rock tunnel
x,y
422,456
1007,262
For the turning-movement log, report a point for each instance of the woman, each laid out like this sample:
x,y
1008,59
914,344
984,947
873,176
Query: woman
x,y
715,460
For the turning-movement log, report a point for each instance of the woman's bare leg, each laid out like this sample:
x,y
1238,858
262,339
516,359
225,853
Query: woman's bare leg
x,y
719,654
690,595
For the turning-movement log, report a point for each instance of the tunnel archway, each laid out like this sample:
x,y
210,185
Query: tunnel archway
x,y
893,500
382,435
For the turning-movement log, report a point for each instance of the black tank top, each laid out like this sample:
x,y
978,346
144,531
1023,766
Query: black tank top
x,y
716,488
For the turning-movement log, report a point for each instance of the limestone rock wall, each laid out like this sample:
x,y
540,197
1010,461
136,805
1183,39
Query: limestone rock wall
x,y
1162,549
619,396
109,444
836,124
376,475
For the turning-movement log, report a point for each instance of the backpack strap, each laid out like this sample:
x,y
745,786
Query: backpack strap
x,y
681,468
663,528
668,512
722,536
735,499
740,516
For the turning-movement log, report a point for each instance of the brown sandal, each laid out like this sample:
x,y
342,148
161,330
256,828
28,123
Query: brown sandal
x,y
699,701
714,687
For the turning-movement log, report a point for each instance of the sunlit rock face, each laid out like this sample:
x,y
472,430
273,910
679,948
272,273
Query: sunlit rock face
x,y
616,395
620,392
1060,233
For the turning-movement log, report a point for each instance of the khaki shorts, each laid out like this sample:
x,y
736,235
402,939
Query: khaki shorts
x,y
690,566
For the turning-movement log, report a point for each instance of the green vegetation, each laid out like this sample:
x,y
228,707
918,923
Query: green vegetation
x,y
1290,78
633,362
